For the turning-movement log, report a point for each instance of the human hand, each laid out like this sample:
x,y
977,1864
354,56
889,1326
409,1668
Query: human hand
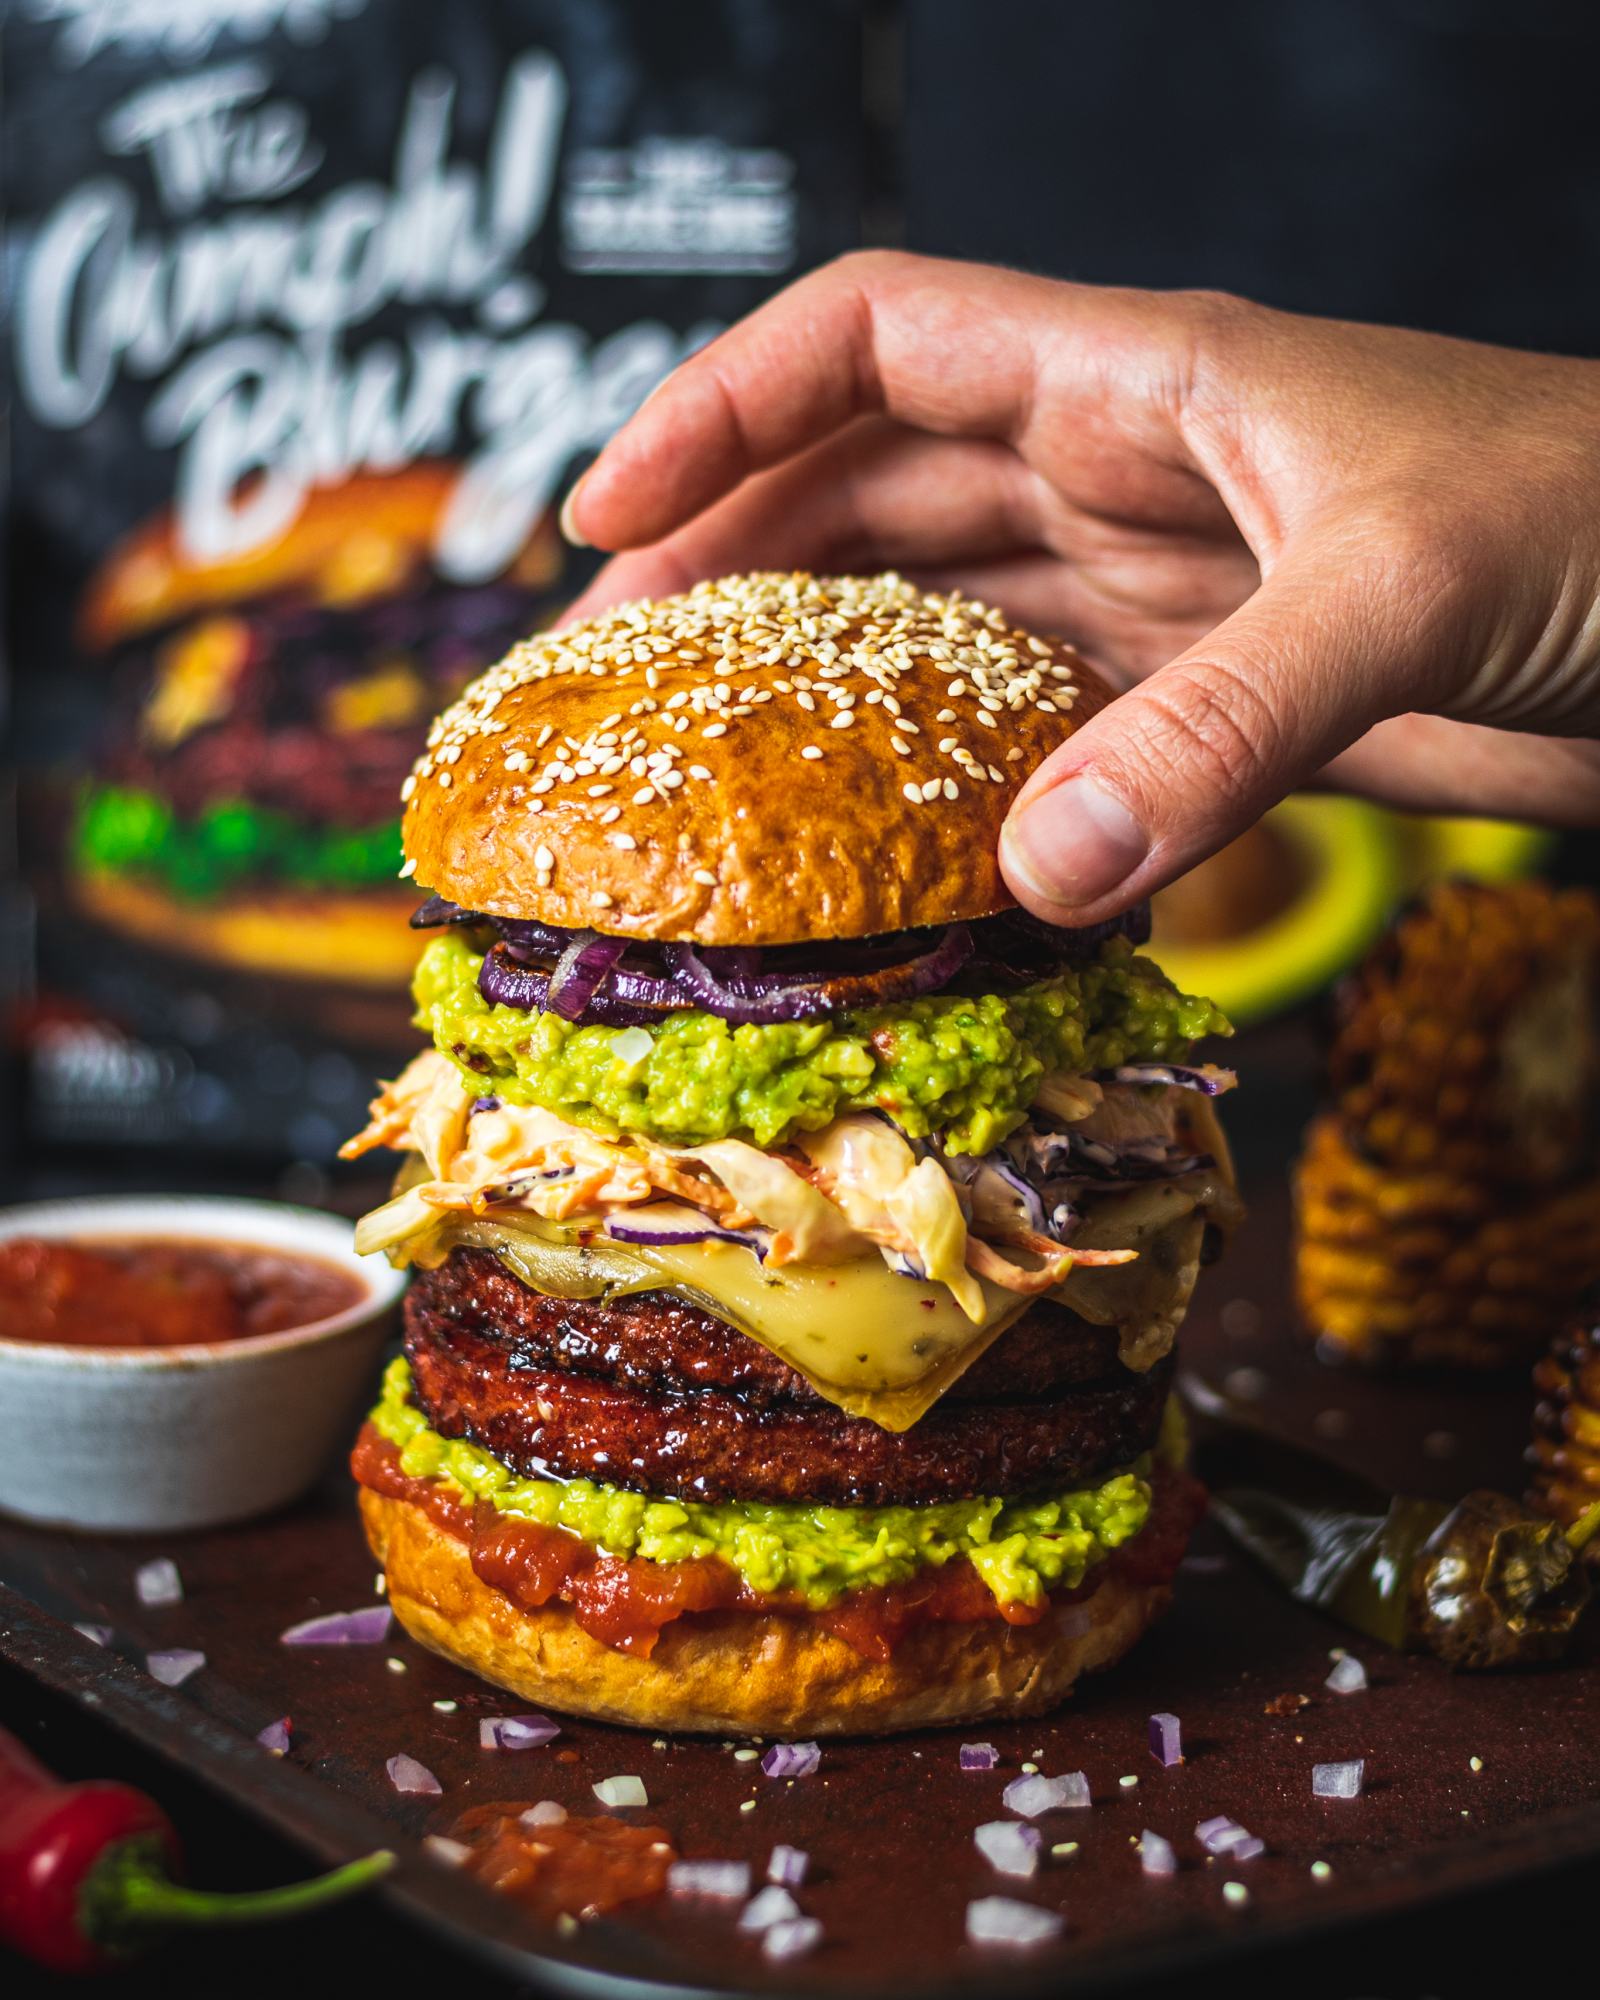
x,y
1312,548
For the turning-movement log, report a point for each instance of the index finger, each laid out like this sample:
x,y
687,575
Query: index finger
x,y
942,346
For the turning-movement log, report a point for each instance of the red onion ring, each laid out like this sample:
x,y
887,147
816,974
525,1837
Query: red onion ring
x,y
801,1000
580,972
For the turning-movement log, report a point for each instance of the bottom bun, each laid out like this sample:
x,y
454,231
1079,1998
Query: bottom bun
x,y
745,1672
350,937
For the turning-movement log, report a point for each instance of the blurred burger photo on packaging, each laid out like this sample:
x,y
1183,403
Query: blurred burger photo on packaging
x,y
263,712
799,1230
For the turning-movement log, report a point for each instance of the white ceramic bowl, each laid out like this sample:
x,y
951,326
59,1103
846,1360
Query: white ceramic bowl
x,y
137,1439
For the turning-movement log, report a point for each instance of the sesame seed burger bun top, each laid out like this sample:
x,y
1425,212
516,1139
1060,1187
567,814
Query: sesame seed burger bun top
x,y
765,759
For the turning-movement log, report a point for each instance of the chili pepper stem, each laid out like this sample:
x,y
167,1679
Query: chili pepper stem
x,y
130,1895
1584,1529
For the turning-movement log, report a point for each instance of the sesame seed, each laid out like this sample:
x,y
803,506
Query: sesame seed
x,y
543,858
811,753
948,743
611,813
407,870
715,729
913,793
644,795
900,746
945,715
842,720
600,900
930,789
950,788
625,841
705,877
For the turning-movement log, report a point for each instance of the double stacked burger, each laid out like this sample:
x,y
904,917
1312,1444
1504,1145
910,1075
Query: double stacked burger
x,y
800,1230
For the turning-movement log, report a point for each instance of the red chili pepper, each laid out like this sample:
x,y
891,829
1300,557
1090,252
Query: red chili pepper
x,y
87,1872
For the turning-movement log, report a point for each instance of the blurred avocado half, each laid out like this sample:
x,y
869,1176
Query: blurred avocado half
x,y
1283,910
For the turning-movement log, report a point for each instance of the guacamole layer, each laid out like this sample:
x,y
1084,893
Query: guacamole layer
x,y
967,1068
129,831
1020,1548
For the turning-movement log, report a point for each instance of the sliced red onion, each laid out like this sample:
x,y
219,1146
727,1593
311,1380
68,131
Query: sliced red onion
x,y
366,1627
516,1732
505,982
438,911
1166,1739
173,1665
621,1791
546,1813
412,1778
1036,1794
158,1582
649,1228
1208,1078
1348,1676
979,1757
1009,1846
791,1939
1001,1920
788,1866
485,1104
709,1881
275,1737
1156,1855
801,999
1339,1781
581,971
769,1906
97,1635
791,1760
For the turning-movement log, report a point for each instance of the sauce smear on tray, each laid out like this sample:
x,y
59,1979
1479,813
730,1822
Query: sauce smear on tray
x,y
574,1868
162,1291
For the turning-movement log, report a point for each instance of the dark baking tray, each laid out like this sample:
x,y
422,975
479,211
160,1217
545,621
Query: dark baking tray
x,y
889,1823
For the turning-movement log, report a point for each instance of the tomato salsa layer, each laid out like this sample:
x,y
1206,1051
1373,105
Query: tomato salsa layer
x,y
626,1602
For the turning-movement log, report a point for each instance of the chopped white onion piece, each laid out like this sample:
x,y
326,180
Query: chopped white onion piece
x,y
767,1907
545,1813
1166,1739
1002,1920
792,1939
788,1866
1009,1847
97,1635
173,1665
407,1775
1157,1856
516,1732
451,1852
1038,1794
709,1881
1339,1781
158,1582
624,1791
1348,1676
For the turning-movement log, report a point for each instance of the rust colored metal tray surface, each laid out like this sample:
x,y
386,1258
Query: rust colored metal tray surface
x,y
1468,1780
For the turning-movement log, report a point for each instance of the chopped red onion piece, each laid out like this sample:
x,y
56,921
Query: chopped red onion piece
x,y
158,1582
580,971
1157,1856
1038,1794
1004,1921
623,1791
709,1881
275,1737
1009,1847
788,1866
671,1223
792,1939
173,1665
516,1732
1166,1739
791,1760
97,1635
367,1627
769,1906
407,1775
979,1756
451,1852
1348,1676
1339,1781
1220,1834
545,1813
1205,1077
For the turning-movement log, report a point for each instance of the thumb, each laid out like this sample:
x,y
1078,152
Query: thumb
x,y
1174,769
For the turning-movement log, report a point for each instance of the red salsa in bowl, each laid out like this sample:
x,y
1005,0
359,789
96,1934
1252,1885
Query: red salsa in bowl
x,y
163,1291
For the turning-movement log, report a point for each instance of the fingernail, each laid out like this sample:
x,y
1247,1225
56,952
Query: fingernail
x,y
570,531
1073,845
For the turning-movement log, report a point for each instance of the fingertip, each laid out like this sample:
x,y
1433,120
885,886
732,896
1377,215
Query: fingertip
x,y
567,520
1071,847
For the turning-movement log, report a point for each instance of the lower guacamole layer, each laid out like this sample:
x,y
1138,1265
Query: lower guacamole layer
x,y
966,1067
125,830
1020,1548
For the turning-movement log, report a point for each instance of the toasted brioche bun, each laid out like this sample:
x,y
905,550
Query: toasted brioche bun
x,y
741,836
738,1672
360,539
351,939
